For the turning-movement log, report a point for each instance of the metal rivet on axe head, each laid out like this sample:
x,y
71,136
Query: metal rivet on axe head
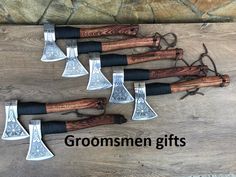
x,y
37,149
73,66
13,129
97,80
142,110
51,51
119,92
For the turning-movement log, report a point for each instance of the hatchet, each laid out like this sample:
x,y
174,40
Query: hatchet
x,y
143,110
14,130
98,81
38,150
120,94
52,52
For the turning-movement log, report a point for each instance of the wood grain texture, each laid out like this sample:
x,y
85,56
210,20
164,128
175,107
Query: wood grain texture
x,y
178,71
207,122
92,122
130,43
130,30
85,103
209,81
155,55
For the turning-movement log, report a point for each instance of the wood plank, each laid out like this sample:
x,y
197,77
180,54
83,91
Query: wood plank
x,y
207,122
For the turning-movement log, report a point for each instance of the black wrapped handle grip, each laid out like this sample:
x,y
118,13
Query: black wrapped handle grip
x,y
109,60
31,108
52,127
158,89
90,46
67,32
136,74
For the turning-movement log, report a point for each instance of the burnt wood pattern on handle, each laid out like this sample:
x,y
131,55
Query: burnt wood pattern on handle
x,y
129,30
130,43
90,122
155,55
178,71
85,103
209,81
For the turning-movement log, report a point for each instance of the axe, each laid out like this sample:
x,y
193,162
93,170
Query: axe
x,y
52,52
38,150
98,81
119,92
14,130
143,110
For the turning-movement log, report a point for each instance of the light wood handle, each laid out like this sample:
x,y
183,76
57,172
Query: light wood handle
x,y
209,81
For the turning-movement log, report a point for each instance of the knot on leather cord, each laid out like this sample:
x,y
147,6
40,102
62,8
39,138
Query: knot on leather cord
x,y
164,39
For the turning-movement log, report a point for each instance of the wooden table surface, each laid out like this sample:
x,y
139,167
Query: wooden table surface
x,y
207,122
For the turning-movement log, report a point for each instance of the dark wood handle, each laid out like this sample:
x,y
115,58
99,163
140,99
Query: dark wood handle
x,y
201,82
130,30
129,43
178,71
86,103
95,121
155,55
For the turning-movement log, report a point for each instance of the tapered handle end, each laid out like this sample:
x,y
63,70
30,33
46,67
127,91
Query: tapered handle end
x,y
119,119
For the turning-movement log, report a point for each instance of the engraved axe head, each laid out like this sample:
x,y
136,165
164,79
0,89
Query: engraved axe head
x,y
119,92
13,129
97,80
51,51
37,149
142,110
73,66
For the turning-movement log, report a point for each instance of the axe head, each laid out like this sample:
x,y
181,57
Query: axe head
x,y
13,129
119,92
97,80
37,149
51,51
73,66
142,110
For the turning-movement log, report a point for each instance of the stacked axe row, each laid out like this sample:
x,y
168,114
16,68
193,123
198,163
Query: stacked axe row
x,y
142,111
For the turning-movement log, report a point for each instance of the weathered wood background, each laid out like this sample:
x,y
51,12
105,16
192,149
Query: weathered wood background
x,y
208,122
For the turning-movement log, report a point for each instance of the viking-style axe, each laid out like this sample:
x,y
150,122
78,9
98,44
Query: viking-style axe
x,y
14,130
52,52
98,81
120,94
39,151
143,110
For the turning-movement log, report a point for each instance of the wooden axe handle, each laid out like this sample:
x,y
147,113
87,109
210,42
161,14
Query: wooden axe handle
x,y
129,43
155,55
130,30
209,81
51,127
178,71
95,103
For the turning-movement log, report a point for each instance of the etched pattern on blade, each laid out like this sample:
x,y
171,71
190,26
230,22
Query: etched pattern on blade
x,y
142,110
13,129
74,68
96,79
119,93
37,149
52,52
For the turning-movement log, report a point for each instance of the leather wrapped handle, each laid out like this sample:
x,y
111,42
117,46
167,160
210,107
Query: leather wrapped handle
x,y
85,103
145,74
32,108
65,126
68,32
109,60
95,46
209,81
